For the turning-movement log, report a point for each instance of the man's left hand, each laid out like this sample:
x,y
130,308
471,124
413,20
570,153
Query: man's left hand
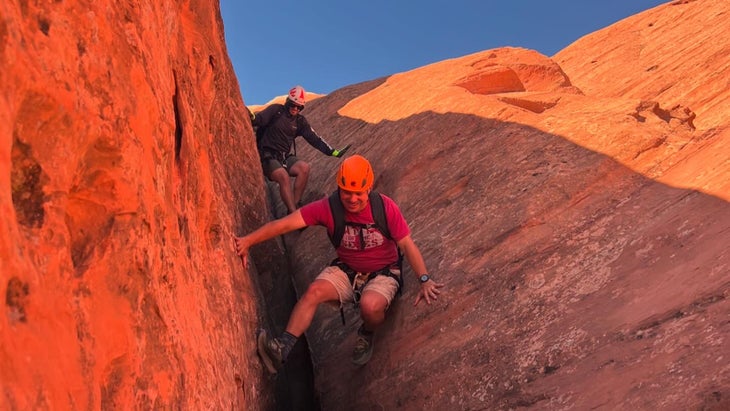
x,y
429,292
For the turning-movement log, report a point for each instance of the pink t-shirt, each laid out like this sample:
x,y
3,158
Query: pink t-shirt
x,y
379,251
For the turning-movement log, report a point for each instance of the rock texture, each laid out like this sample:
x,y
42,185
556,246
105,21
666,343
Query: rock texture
x,y
282,99
122,139
575,206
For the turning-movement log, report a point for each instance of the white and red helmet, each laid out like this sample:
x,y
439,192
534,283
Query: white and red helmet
x,y
297,95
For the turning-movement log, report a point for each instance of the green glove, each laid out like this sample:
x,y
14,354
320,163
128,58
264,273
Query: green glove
x,y
340,153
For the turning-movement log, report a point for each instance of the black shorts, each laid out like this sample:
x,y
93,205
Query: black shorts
x,y
270,164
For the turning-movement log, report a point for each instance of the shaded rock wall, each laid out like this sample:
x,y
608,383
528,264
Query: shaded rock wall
x,y
126,166
583,235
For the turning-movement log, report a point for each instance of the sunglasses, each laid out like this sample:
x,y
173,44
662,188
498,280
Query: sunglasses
x,y
296,106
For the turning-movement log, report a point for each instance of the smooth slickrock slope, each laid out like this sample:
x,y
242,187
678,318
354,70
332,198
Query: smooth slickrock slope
x,y
576,208
122,144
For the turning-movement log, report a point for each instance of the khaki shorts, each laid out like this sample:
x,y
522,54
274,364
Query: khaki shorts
x,y
381,284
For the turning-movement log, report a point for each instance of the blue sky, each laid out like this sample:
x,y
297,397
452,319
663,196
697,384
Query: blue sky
x,y
328,44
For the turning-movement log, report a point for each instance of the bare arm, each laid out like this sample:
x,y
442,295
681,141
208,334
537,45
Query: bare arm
x,y
268,231
430,289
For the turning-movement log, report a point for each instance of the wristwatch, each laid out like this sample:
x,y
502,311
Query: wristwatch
x,y
423,278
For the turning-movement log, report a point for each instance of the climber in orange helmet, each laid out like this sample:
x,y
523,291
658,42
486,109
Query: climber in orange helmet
x,y
370,237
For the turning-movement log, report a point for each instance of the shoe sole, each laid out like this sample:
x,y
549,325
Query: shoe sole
x,y
364,360
261,340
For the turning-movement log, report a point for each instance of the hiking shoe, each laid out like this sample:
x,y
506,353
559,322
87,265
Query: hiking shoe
x,y
363,350
270,352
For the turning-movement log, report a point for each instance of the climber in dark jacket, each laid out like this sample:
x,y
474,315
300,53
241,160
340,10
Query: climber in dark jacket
x,y
283,123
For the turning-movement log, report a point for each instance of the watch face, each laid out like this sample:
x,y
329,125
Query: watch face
x,y
424,278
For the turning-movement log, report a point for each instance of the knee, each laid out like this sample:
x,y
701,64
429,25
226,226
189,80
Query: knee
x,y
372,307
302,169
280,176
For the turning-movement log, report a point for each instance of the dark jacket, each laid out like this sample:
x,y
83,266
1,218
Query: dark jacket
x,y
278,138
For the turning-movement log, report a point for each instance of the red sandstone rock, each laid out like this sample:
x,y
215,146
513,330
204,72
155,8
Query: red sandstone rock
x,y
281,99
122,144
576,207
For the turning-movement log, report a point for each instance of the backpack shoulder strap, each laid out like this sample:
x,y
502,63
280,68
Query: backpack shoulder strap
x,y
381,222
378,209
338,216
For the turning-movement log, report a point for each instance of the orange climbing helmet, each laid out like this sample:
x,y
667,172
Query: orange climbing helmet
x,y
355,174
297,95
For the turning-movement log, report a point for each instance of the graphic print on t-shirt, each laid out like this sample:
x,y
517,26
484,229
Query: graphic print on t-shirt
x,y
371,237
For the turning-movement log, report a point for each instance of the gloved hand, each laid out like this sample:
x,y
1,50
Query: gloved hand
x,y
340,153
251,114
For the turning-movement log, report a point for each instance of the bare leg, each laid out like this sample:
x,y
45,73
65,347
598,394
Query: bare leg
x,y
372,309
319,291
281,177
300,170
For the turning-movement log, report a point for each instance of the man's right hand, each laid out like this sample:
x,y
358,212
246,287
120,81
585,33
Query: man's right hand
x,y
241,248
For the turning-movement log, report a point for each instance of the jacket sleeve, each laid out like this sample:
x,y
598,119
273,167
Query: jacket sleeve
x,y
306,131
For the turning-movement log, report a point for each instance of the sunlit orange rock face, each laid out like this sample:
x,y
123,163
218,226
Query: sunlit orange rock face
x,y
576,207
122,145
282,99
